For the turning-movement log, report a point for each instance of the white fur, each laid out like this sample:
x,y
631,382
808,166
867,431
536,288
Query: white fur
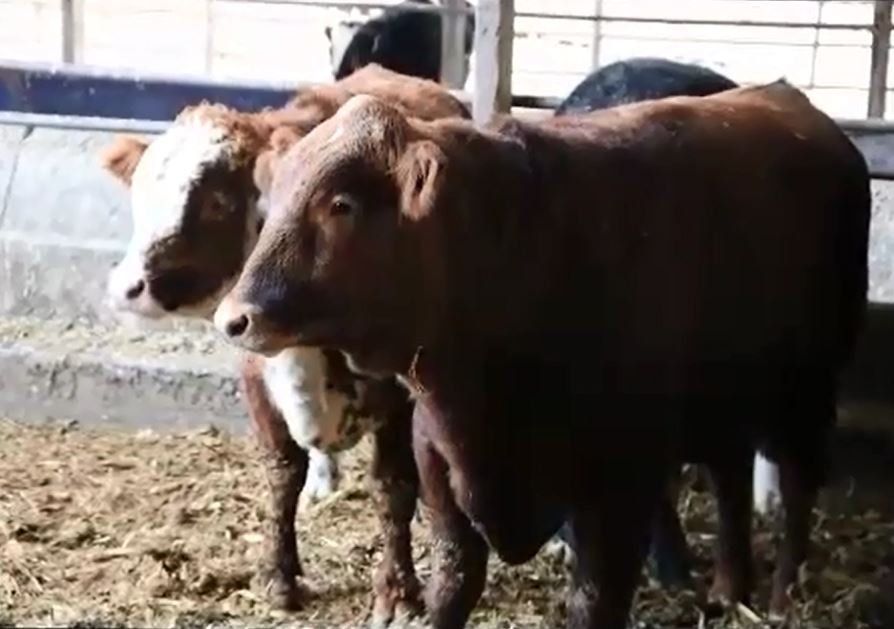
x,y
295,380
766,484
160,188
340,35
322,478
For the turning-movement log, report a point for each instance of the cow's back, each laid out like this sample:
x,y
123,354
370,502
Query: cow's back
x,y
418,97
641,78
730,226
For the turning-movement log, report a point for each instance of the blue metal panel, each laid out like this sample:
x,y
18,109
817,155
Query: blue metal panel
x,y
45,89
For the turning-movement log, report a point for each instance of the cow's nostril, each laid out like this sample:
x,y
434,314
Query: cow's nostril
x,y
237,326
136,290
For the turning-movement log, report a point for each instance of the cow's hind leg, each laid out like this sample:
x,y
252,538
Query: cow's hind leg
x,y
609,550
395,491
323,477
611,543
286,469
669,550
798,498
459,554
733,565
802,460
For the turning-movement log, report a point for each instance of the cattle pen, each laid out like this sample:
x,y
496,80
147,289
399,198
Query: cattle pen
x,y
131,493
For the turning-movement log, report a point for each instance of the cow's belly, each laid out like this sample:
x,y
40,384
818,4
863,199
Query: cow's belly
x,y
513,499
514,528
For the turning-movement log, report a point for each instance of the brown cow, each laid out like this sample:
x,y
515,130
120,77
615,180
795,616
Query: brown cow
x,y
576,304
196,218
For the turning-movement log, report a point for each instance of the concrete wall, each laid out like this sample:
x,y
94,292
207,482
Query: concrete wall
x,y
63,222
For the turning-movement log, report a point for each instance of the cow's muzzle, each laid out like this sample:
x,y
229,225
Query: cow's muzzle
x,y
244,325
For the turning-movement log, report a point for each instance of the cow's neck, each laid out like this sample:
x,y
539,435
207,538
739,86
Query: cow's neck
x,y
495,275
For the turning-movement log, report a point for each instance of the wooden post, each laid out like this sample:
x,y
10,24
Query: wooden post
x,y
494,34
597,35
72,31
881,44
453,44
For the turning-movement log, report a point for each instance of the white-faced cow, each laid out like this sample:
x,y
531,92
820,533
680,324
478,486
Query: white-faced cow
x,y
578,304
196,216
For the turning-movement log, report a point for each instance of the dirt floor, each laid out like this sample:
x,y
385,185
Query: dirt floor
x,y
166,530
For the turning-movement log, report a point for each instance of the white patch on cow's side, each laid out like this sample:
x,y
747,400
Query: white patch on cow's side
x,y
323,478
765,484
296,381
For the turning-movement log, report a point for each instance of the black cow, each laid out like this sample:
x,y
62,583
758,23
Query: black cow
x,y
641,78
402,40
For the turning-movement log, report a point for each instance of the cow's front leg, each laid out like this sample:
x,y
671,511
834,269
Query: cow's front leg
x,y
610,548
798,498
802,465
286,470
459,554
734,571
611,538
395,489
669,550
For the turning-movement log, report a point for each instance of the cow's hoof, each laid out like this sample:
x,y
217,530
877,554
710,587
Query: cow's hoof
x,y
726,591
287,595
390,614
780,603
391,610
558,550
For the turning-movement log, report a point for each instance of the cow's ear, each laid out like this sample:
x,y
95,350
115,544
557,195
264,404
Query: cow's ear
x,y
420,175
263,172
122,156
280,141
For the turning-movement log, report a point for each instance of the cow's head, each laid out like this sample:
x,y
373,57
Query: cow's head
x,y
340,35
194,212
348,247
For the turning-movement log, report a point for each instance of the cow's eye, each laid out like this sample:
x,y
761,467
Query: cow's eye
x,y
342,206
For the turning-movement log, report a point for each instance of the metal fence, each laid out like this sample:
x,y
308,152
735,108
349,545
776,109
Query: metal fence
x,y
595,13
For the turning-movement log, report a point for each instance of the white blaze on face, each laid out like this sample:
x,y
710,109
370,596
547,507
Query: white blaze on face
x,y
160,188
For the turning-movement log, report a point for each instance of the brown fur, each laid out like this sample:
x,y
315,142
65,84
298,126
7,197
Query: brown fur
x,y
417,97
122,156
580,299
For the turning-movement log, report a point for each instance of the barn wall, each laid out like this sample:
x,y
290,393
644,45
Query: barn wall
x,y
237,40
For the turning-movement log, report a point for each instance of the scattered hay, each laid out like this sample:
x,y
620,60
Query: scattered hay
x,y
102,527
